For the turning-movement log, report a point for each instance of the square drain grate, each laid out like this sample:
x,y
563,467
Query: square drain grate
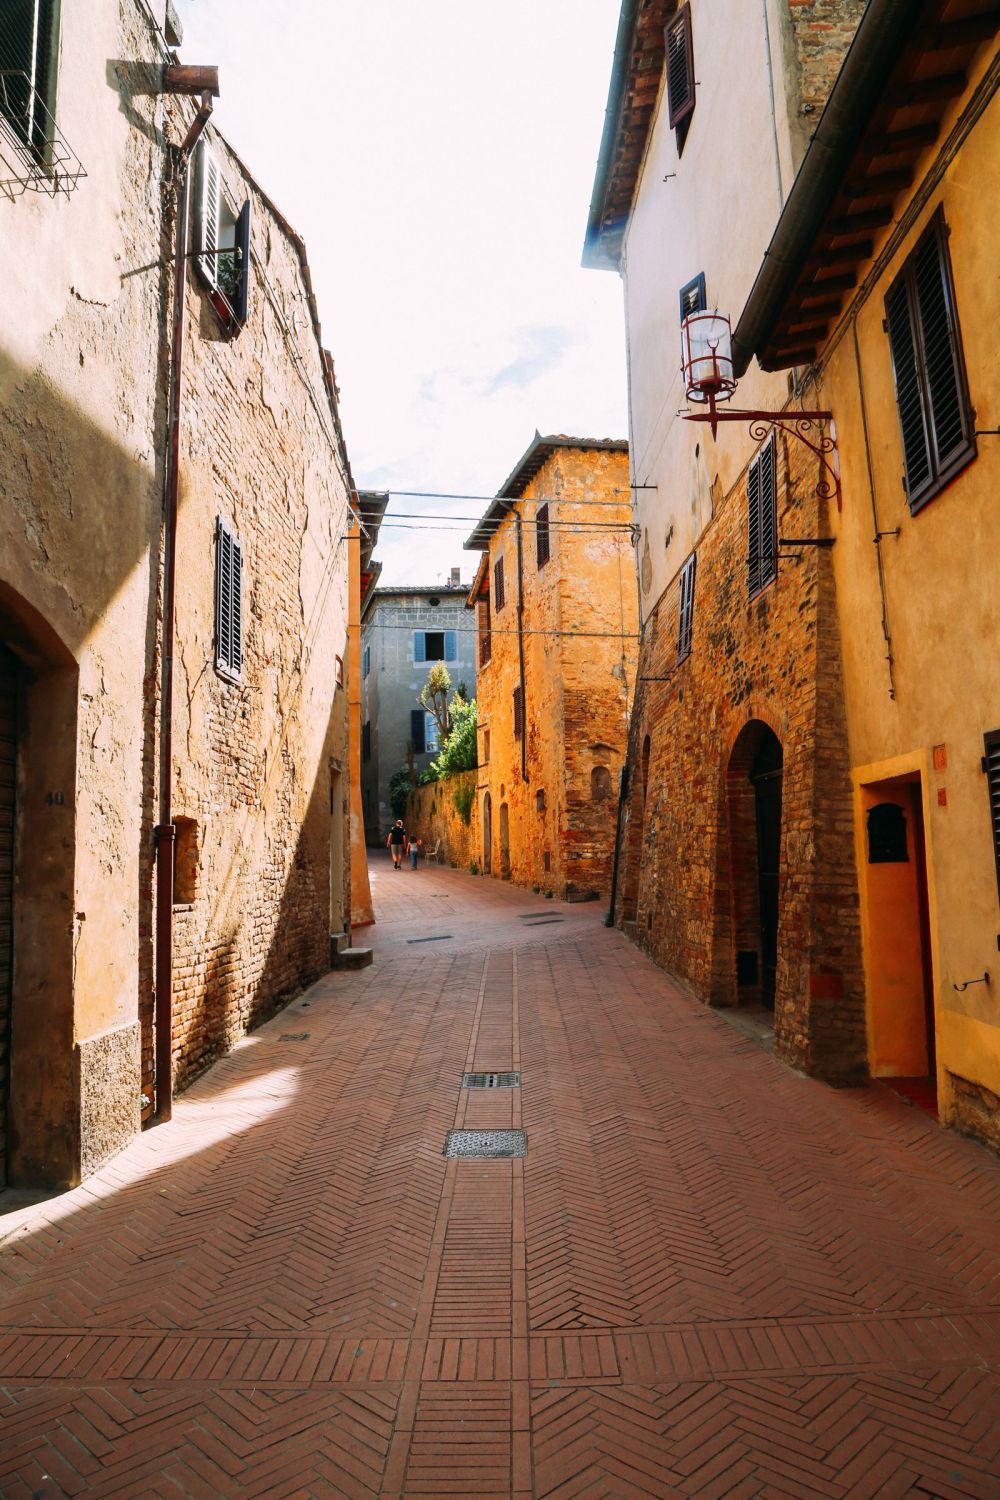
x,y
486,1145
491,1080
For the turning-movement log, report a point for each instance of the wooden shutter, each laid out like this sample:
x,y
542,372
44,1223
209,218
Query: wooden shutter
x,y
518,714
498,583
693,296
542,552
450,645
762,518
419,645
679,46
932,401
991,766
417,730
485,640
228,602
209,194
241,299
686,614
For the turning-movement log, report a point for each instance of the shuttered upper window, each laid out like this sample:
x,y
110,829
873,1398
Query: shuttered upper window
x,y
686,616
485,631
518,714
498,585
29,49
435,645
693,296
932,399
418,730
542,551
228,602
991,765
762,518
223,244
679,48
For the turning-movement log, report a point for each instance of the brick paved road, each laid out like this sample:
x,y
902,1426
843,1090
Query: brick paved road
x,y
708,1277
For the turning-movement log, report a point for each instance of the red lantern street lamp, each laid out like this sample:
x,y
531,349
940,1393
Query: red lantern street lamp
x,y
707,353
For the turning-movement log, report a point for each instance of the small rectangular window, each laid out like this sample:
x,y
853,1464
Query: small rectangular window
x,y
417,723
228,602
366,740
762,518
485,631
29,52
991,766
679,47
432,734
498,596
542,552
518,714
693,298
686,615
932,400
366,661
486,747
430,645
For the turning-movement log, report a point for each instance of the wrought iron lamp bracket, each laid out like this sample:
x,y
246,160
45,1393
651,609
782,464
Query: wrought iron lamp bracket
x,y
807,426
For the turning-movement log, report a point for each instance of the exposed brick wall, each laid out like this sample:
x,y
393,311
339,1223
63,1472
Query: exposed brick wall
x,y
821,32
432,814
685,892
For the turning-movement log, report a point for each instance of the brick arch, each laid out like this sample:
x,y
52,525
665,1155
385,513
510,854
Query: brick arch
x,y
756,713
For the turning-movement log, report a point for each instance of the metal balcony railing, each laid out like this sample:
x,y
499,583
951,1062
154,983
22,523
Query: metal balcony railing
x,y
34,154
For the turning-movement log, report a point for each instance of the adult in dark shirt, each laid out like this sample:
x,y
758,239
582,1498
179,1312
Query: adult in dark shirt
x,y
396,843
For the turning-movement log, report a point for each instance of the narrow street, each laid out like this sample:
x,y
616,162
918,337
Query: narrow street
x,y
708,1276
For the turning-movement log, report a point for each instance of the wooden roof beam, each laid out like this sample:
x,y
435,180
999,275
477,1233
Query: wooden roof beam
x,y
859,223
893,142
969,32
920,91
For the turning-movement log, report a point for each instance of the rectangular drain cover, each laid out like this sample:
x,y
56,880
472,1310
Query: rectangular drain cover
x,y
294,1036
485,1145
544,921
444,937
491,1080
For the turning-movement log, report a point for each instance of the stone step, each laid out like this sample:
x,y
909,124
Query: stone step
x,y
351,958
339,941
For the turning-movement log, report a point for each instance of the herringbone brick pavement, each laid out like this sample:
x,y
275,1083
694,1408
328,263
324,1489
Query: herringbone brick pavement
x,y
708,1276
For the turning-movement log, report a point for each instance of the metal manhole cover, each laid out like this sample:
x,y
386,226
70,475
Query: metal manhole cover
x,y
444,937
294,1036
485,1145
491,1080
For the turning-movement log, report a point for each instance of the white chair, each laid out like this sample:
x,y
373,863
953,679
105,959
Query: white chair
x,y
434,854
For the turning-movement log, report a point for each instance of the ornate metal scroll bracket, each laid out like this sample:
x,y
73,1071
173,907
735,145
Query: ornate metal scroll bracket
x,y
807,426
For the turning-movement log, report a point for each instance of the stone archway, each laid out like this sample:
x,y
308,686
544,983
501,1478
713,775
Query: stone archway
x,y
487,834
753,796
504,841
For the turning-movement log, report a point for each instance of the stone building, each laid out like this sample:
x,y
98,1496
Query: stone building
x,y
256,779
888,295
555,604
407,630
736,855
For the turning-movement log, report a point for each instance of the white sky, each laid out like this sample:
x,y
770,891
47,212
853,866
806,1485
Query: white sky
x,y
437,156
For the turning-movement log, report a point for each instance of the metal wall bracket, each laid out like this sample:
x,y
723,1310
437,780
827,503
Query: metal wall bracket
x,y
804,425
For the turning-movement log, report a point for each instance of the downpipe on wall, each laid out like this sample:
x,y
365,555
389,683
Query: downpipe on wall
x,y
164,832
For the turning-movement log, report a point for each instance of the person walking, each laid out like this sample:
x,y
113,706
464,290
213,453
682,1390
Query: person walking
x,y
396,843
414,849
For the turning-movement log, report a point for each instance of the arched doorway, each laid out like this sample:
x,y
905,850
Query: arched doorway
x,y
753,805
9,693
504,841
487,834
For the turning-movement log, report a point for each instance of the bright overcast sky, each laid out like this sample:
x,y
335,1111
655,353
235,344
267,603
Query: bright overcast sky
x,y
437,158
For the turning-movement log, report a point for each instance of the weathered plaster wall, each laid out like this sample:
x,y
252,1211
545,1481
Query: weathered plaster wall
x,y
580,652
392,687
943,615
431,814
79,519
255,760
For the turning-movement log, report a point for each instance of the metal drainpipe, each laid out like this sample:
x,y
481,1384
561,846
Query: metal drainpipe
x,y
164,832
520,649
890,661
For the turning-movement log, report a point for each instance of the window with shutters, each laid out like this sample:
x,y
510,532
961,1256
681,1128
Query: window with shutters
x,y
435,645
223,243
498,594
935,418
418,721
693,298
485,631
432,734
679,48
518,714
542,551
991,766
686,615
228,603
29,53
762,518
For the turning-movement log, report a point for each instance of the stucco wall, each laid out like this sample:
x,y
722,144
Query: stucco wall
x,y
943,612
431,814
579,627
392,688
